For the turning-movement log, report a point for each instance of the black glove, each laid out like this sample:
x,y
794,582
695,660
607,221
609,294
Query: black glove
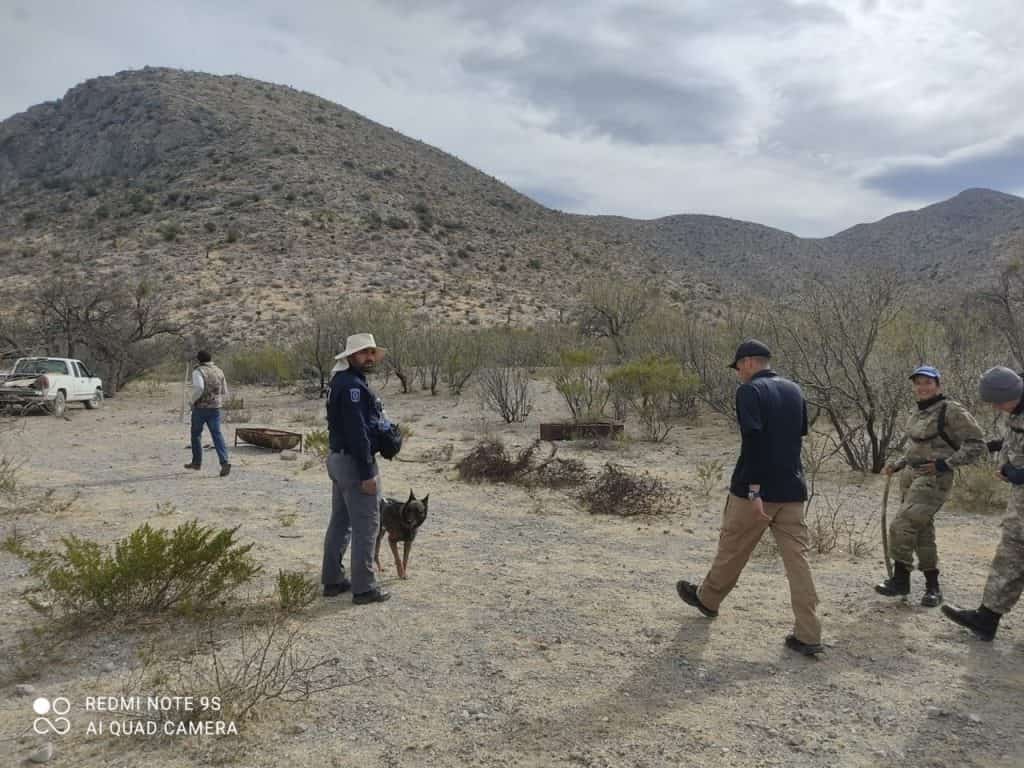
x,y
994,446
1014,474
942,466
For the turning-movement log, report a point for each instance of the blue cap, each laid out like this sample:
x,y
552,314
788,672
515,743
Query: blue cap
x,y
926,370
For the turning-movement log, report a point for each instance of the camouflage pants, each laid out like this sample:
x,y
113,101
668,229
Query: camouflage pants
x,y
1006,576
913,529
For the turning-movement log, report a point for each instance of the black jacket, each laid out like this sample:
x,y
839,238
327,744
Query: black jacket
x,y
353,411
772,414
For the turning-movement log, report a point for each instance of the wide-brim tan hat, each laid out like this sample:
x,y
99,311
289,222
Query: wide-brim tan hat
x,y
357,342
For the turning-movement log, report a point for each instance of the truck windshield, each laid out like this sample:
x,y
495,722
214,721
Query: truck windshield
x,y
37,365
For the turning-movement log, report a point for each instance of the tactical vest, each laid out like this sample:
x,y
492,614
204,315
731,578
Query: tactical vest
x,y
213,386
927,432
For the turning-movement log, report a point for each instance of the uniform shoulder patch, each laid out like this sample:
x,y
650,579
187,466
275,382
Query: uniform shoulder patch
x,y
355,393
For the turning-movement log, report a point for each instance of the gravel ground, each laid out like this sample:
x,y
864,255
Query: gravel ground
x,y
529,633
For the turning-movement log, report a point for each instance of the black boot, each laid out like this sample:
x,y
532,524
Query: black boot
x,y
982,622
899,584
932,593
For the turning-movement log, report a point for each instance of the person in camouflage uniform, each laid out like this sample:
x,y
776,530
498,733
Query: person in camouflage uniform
x,y
1004,390
942,436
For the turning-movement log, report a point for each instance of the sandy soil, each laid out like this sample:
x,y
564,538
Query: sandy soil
x,y
529,633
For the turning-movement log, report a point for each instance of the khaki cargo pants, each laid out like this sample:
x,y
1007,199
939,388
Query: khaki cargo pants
x,y
913,528
741,530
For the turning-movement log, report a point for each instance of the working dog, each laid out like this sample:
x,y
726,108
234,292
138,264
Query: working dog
x,y
400,520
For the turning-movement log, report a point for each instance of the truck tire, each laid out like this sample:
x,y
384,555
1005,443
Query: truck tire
x,y
59,405
96,402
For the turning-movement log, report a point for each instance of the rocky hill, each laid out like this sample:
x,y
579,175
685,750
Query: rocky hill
x,y
248,198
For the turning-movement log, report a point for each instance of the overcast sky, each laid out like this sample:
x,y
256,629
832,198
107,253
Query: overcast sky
x,y
807,116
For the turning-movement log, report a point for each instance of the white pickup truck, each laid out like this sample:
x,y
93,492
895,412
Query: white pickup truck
x,y
50,383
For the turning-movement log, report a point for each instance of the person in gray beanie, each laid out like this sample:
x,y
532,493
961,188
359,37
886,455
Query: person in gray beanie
x,y
1003,390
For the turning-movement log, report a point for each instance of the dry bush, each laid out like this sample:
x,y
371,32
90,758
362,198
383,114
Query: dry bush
x,y
618,492
9,469
505,390
269,663
490,461
977,489
709,475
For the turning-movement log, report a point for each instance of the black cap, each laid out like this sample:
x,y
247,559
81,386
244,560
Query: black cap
x,y
750,348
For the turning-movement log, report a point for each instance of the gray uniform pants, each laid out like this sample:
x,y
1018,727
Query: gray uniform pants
x,y
355,519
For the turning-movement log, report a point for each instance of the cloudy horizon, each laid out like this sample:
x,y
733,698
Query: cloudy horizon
x,y
809,116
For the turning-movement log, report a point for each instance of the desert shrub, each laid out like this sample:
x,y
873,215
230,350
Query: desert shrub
x,y
169,230
649,386
977,489
505,390
268,364
149,571
9,469
317,442
295,591
580,382
489,460
259,664
709,474
618,492
463,357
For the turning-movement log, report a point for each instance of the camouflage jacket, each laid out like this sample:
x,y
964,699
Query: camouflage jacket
x,y
1013,443
215,386
925,443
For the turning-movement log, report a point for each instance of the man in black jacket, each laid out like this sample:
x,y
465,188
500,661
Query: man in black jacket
x,y
767,491
353,414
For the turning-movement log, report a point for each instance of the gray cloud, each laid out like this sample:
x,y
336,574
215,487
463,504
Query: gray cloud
x,y
590,91
1000,167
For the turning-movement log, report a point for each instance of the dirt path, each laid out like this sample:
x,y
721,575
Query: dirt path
x,y
529,633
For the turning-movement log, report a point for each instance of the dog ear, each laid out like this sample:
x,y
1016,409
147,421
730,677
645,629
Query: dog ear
x,y
412,496
424,500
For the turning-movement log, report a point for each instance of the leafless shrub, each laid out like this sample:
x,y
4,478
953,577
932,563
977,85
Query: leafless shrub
x,y
618,492
490,461
505,390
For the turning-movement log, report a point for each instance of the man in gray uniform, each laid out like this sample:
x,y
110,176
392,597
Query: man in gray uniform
x,y
1004,390
353,415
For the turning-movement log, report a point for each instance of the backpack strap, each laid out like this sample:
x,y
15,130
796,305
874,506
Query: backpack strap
x,y
942,429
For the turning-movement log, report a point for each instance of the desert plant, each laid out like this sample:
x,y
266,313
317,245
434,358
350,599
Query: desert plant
x,y
267,364
505,390
295,591
580,382
977,489
649,385
619,492
490,461
148,571
317,442
9,469
709,475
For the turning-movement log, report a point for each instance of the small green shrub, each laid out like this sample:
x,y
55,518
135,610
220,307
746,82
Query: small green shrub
x,y
268,364
9,474
149,571
650,386
295,591
317,442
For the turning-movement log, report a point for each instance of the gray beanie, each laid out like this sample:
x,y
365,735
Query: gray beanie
x,y
1000,385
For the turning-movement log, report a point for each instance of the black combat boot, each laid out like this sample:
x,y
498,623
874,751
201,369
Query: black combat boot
x,y
932,593
899,584
982,622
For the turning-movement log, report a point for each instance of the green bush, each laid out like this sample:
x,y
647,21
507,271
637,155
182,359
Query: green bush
x,y
650,386
295,591
149,571
580,383
268,364
169,230
317,442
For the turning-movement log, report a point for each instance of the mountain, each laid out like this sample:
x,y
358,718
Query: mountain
x,y
248,198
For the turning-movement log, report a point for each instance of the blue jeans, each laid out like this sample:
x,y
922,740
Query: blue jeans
x,y
211,418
